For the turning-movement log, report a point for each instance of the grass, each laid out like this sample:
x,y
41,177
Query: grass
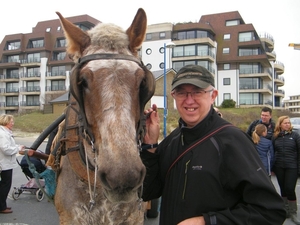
x,y
36,122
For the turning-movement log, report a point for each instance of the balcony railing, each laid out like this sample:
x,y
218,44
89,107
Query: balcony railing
x,y
30,103
56,88
30,89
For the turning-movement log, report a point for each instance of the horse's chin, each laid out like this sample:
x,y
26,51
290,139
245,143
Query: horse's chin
x,y
121,197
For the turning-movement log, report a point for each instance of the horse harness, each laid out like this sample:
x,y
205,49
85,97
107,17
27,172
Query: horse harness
x,y
77,130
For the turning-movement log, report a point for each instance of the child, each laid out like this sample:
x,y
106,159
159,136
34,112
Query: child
x,y
264,147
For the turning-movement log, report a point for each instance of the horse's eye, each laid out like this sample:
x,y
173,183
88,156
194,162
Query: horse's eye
x,y
83,83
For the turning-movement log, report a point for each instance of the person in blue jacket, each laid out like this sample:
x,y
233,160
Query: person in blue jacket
x,y
264,147
206,171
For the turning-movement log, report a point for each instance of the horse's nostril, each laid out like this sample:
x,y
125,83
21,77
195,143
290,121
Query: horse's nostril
x,y
122,180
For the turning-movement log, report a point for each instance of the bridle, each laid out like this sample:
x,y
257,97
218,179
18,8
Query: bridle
x,y
84,127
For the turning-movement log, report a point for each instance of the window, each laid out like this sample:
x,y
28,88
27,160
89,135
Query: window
x,y
162,34
149,66
58,28
226,66
162,65
61,43
148,51
162,50
34,57
59,55
12,101
190,34
226,81
202,50
232,23
225,50
33,100
13,45
248,51
33,86
189,50
246,36
226,36
148,36
12,87
35,43
58,71
13,58
12,73
58,85
48,29
249,68
33,72
226,96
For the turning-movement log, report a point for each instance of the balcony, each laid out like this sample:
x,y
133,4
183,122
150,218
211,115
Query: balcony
x,y
250,73
55,88
9,91
34,90
9,77
30,76
279,67
56,75
9,105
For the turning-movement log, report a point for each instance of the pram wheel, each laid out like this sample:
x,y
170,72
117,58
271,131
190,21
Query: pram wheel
x,y
16,193
39,195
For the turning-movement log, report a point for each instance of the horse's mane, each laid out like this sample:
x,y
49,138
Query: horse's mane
x,y
109,37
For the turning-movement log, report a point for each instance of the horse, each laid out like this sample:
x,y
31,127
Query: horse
x,y
96,153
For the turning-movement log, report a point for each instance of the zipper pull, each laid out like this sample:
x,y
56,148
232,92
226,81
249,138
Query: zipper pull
x,y
182,143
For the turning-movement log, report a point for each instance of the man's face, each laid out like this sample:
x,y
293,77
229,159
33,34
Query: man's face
x,y
193,103
265,117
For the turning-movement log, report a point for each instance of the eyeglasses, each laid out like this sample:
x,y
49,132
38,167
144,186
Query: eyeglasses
x,y
180,95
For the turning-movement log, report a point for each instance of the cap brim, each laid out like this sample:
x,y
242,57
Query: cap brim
x,y
194,81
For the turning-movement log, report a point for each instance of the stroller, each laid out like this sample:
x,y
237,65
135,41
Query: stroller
x,y
31,186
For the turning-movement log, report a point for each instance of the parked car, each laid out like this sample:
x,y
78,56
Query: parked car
x,y
295,121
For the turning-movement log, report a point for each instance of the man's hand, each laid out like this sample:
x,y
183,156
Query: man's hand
x,y
152,126
193,221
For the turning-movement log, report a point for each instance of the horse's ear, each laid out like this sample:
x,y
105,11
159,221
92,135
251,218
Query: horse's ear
x,y
77,40
137,31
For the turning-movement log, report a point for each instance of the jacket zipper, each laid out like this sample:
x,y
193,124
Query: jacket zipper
x,y
185,179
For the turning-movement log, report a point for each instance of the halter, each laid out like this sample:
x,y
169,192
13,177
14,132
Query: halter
x,y
84,128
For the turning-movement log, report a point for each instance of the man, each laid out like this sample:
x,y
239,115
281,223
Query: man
x,y
207,171
266,119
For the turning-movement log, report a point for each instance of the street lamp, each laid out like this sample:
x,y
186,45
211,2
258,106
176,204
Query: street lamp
x,y
295,46
168,45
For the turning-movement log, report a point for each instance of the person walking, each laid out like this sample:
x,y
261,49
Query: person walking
x,y
286,144
266,119
206,171
8,151
264,147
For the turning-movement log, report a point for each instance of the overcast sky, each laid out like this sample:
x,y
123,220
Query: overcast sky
x,y
280,18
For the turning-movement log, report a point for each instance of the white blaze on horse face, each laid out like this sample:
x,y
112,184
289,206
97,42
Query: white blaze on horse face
x,y
116,117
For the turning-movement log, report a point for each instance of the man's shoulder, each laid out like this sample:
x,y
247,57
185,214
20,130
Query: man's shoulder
x,y
255,122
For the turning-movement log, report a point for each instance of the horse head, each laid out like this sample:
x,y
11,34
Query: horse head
x,y
111,87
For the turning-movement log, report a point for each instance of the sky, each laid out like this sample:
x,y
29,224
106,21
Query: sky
x,y
279,18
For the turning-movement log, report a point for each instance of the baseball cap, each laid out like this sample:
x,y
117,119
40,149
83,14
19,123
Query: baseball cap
x,y
193,74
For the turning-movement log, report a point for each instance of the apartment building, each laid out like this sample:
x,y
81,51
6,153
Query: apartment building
x,y
292,104
242,61
34,67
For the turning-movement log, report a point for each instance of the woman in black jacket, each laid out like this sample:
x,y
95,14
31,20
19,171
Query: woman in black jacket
x,y
287,163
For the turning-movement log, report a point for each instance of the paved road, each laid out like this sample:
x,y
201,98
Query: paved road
x,y
28,211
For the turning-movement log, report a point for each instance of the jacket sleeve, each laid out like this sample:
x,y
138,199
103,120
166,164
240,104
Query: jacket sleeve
x,y
242,175
249,130
297,139
271,148
7,146
152,186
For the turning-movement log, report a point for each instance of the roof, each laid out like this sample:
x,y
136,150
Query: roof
x,y
62,98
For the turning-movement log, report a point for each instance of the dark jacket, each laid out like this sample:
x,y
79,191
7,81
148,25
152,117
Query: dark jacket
x,y
270,128
287,150
266,153
221,178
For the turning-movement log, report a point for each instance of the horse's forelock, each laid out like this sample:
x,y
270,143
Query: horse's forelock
x,y
109,36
